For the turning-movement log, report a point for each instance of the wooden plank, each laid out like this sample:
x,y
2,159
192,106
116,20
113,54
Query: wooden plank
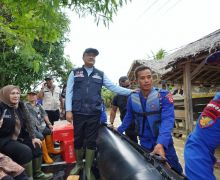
x,y
188,98
202,76
216,68
211,77
179,114
175,74
197,69
73,177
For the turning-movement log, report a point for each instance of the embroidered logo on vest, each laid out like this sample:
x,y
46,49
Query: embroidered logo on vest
x,y
79,74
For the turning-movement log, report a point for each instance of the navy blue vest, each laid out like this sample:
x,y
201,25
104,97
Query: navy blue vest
x,y
87,91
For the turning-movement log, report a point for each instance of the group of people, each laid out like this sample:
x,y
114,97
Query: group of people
x,y
146,113
149,112
17,134
25,131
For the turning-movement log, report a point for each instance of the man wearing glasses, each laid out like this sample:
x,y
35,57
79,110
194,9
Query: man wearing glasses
x,y
120,101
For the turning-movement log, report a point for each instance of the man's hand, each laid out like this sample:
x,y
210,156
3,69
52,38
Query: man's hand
x,y
217,164
51,127
110,125
158,149
135,90
69,116
36,141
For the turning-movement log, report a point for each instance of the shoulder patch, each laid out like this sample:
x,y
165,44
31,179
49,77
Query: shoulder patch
x,y
206,121
169,96
209,114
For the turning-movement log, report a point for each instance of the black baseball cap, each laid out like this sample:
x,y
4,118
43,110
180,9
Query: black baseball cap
x,y
91,50
213,59
48,77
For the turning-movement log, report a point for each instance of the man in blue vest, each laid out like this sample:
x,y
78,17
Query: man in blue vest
x,y
84,106
203,141
153,113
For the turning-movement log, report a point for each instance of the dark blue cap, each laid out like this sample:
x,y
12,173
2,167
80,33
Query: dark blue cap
x,y
91,50
213,59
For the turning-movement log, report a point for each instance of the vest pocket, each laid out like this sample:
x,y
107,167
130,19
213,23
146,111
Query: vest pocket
x,y
99,81
77,103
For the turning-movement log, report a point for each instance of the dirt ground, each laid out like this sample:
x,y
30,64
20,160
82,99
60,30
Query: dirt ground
x,y
179,146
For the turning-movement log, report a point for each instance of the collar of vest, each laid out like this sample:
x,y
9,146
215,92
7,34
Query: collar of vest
x,y
152,101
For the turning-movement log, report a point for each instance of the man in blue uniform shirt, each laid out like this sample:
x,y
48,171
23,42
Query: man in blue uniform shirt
x,y
84,105
205,138
153,112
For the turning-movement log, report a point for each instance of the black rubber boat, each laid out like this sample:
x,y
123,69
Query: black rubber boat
x,y
118,158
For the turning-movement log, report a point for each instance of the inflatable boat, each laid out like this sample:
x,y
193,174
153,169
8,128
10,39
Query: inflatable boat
x,y
118,158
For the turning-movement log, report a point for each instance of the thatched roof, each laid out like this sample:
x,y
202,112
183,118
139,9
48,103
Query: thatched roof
x,y
195,53
205,45
153,64
172,66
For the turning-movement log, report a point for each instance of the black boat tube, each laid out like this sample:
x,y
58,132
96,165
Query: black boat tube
x,y
118,158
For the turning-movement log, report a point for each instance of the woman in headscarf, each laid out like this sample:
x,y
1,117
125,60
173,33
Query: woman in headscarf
x,y
17,138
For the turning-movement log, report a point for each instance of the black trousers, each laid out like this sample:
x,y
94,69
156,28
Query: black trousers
x,y
53,115
21,153
86,130
21,176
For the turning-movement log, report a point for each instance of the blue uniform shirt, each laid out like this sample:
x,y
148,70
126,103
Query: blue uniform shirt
x,y
149,138
202,142
167,122
106,82
103,118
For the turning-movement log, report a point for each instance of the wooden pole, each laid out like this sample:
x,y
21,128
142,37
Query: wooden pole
x,y
188,98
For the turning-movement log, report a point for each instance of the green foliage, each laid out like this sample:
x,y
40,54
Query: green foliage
x,y
101,10
159,55
32,37
22,22
107,95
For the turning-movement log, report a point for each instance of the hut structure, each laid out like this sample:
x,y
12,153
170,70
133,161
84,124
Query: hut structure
x,y
154,65
187,66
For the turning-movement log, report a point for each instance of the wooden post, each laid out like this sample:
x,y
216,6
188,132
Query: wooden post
x,y
188,97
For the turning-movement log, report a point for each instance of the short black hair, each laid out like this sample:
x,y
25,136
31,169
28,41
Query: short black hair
x,y
141,68
122,79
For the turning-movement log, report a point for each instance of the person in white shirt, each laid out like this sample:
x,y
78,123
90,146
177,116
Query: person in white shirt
x,y
50,94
